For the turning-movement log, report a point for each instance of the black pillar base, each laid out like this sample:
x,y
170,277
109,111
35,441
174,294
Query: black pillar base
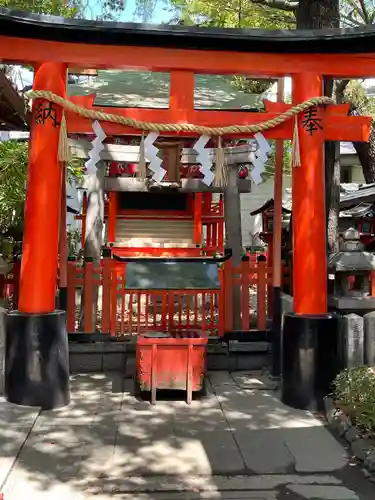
x,y
37,360
310,359
63,298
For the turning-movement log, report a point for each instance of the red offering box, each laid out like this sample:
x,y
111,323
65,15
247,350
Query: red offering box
x,y
174,361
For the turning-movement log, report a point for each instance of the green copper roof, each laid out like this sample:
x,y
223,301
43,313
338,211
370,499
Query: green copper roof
x,y
151,90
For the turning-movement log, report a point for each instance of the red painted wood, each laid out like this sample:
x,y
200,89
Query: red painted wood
x,y
261,295
43,200
112,215
309,216
337,127
198,202
31,51
171,363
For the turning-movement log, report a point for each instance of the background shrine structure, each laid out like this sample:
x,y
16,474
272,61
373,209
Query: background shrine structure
x,y
37,358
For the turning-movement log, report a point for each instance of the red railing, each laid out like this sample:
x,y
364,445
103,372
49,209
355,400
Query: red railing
x,y
213,223
214,237
253,280
122,311
9,285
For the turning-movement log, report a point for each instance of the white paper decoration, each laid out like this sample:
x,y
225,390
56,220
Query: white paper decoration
x,y
204,159
259,157
151,153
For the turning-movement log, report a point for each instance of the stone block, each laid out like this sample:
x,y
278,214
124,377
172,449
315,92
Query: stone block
x,y
250,347
251,361
361,448
114,361
370,461
352,340
286,303
369,338
217,362
86,363
341,423
351,434
130,366
330,409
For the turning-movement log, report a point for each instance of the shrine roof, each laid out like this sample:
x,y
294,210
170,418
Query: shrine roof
x,y
146,89
361,210
270,204
356,200
58,29
13,111
364,194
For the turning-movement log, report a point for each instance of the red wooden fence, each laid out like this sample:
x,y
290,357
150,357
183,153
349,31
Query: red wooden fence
x,y
9,285
122,311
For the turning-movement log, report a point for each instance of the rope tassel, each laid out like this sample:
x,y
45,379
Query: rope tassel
x,y
64,148
296,156
141,168
221,167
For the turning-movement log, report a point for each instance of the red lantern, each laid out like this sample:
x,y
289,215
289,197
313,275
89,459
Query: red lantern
x,y
243,172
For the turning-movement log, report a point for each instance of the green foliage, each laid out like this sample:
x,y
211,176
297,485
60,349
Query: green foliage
x,y
13,174
355,94
354,393
74,241
56,7
231,14
13,169
251,86
269,169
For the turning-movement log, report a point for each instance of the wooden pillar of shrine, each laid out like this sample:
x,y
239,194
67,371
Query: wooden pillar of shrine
x,y
37,359
310,333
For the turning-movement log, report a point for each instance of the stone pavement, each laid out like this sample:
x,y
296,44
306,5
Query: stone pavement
x,y
239,442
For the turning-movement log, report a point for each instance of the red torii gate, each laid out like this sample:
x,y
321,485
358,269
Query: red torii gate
x,y
52,47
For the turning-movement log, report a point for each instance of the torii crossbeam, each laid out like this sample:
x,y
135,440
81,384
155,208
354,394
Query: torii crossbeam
x,y
336,123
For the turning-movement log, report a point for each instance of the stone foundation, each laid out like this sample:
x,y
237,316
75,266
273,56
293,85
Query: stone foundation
x,y
102,357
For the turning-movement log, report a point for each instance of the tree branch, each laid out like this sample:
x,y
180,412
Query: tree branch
x,y
365,13
278,4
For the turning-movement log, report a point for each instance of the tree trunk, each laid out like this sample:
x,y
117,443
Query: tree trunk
x,y
366,153
332,180
317,14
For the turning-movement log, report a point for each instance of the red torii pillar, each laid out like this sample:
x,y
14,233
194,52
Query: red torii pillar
x,y
310,336
37,358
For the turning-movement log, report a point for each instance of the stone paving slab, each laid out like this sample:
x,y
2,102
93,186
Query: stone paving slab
x,y
107,441
315,492
210,483
265,451
254,380
315,449
191,495
221,450
16,423
262,410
